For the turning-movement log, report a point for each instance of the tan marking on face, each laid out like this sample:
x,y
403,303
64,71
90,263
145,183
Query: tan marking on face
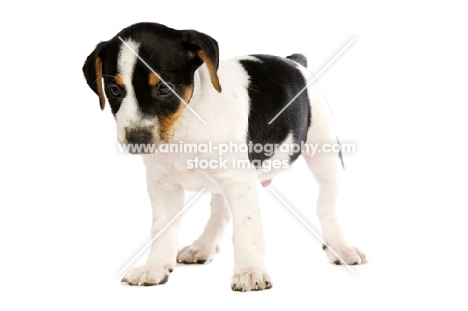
x,y
119,81
153,79
213,75
102,99
168,123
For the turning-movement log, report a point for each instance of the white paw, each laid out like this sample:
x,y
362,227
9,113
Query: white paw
x,y
248,280
147,275
347,254
196,254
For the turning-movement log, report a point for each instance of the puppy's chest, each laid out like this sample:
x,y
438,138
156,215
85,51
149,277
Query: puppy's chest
x,y
183,170
195,180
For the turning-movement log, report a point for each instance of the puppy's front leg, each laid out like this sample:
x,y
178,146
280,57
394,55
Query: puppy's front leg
x,y
166,200
249,268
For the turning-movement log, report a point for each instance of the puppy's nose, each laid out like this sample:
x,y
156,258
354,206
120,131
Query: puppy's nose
x,y
138,136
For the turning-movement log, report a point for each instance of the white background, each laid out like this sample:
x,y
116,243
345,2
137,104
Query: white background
x,y
74,210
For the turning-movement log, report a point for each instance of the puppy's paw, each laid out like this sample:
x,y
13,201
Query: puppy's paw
x,y
347,254
147,275
196,254
251,279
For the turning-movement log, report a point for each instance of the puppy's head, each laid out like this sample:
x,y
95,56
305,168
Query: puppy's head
x,y
147,73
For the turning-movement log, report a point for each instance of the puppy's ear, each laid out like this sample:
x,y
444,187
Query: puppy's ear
x,y
92,70
203,49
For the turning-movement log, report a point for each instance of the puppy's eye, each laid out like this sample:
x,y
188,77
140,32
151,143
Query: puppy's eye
x,y
115,91
164,90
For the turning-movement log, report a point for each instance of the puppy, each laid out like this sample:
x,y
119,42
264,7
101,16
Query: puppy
x,y
167,86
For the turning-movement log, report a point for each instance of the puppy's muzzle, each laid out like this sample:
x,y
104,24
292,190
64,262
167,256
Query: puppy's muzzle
x,y
139,138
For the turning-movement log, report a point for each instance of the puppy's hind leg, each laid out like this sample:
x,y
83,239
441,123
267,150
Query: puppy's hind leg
x,y
327,172
327,168
207,245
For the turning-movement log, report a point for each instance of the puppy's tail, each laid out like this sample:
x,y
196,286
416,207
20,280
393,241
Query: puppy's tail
x,y
298,58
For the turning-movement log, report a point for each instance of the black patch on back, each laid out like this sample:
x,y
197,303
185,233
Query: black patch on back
x,y
274,81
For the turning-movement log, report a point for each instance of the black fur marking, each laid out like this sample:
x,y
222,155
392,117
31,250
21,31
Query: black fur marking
x,y
274,81
168,58
108,52
324,246
337,262
167,51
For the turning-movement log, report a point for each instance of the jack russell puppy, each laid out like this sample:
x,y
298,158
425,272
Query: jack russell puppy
x,y
168,87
